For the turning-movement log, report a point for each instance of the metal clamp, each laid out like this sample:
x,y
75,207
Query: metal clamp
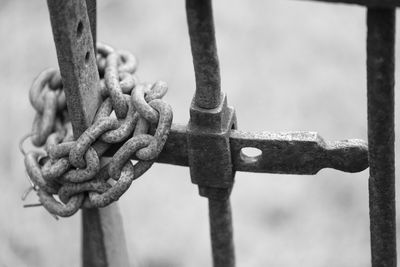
x,y
209,151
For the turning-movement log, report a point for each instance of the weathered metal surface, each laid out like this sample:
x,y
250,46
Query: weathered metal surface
x,y
91,7
209,151
286,153
221,233
175,149
297,153
161,133
47,101
210,145
380,77
368,3
76,57
73,167
103,236
111,79
204,51
211,120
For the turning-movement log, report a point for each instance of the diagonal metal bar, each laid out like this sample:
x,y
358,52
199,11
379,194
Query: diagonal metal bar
x,y
367,3
91,6
380,87
103,239
74,45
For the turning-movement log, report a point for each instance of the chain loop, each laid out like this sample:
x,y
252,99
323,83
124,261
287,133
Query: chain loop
x,y
128,62
53,169
127,82
70,189
33,169
125,152
89,137
57,208
92,167
111,78
157,91
160,137
126,125
128,174
72,169
140,104
44,121
39,89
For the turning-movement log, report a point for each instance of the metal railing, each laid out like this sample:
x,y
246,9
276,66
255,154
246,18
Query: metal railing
x,y
210,145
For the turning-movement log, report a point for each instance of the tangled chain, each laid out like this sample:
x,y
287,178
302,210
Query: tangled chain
x,y
131,112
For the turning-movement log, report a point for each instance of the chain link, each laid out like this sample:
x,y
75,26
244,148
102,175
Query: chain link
x,y
131,112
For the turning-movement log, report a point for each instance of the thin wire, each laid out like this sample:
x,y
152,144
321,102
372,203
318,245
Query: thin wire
x,y
33,185
33,205
54,216
27,192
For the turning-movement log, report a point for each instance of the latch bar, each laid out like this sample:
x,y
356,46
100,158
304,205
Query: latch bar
x,y
285,153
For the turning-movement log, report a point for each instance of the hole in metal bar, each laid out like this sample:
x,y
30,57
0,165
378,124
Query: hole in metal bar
x,y
87,56
250,154
79,29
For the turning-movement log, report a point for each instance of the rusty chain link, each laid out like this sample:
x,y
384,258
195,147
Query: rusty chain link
x,y
131,112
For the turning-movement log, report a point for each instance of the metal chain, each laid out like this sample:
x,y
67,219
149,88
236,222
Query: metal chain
x,y
131,112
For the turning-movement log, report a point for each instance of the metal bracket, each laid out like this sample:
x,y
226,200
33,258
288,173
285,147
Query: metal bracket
x,y
209,151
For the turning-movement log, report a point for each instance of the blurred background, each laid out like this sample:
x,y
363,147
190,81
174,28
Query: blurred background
x,y
285,65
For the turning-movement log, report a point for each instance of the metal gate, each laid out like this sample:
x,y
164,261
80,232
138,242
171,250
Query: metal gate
x,y
211,146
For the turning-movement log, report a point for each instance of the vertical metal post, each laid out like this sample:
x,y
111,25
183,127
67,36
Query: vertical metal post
x,y
221,232
380,77
103,238
204,52
91,6
214,184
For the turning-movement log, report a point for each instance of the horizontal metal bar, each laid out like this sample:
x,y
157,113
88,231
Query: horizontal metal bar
x,y
175,150
285,153
367,3
297,153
